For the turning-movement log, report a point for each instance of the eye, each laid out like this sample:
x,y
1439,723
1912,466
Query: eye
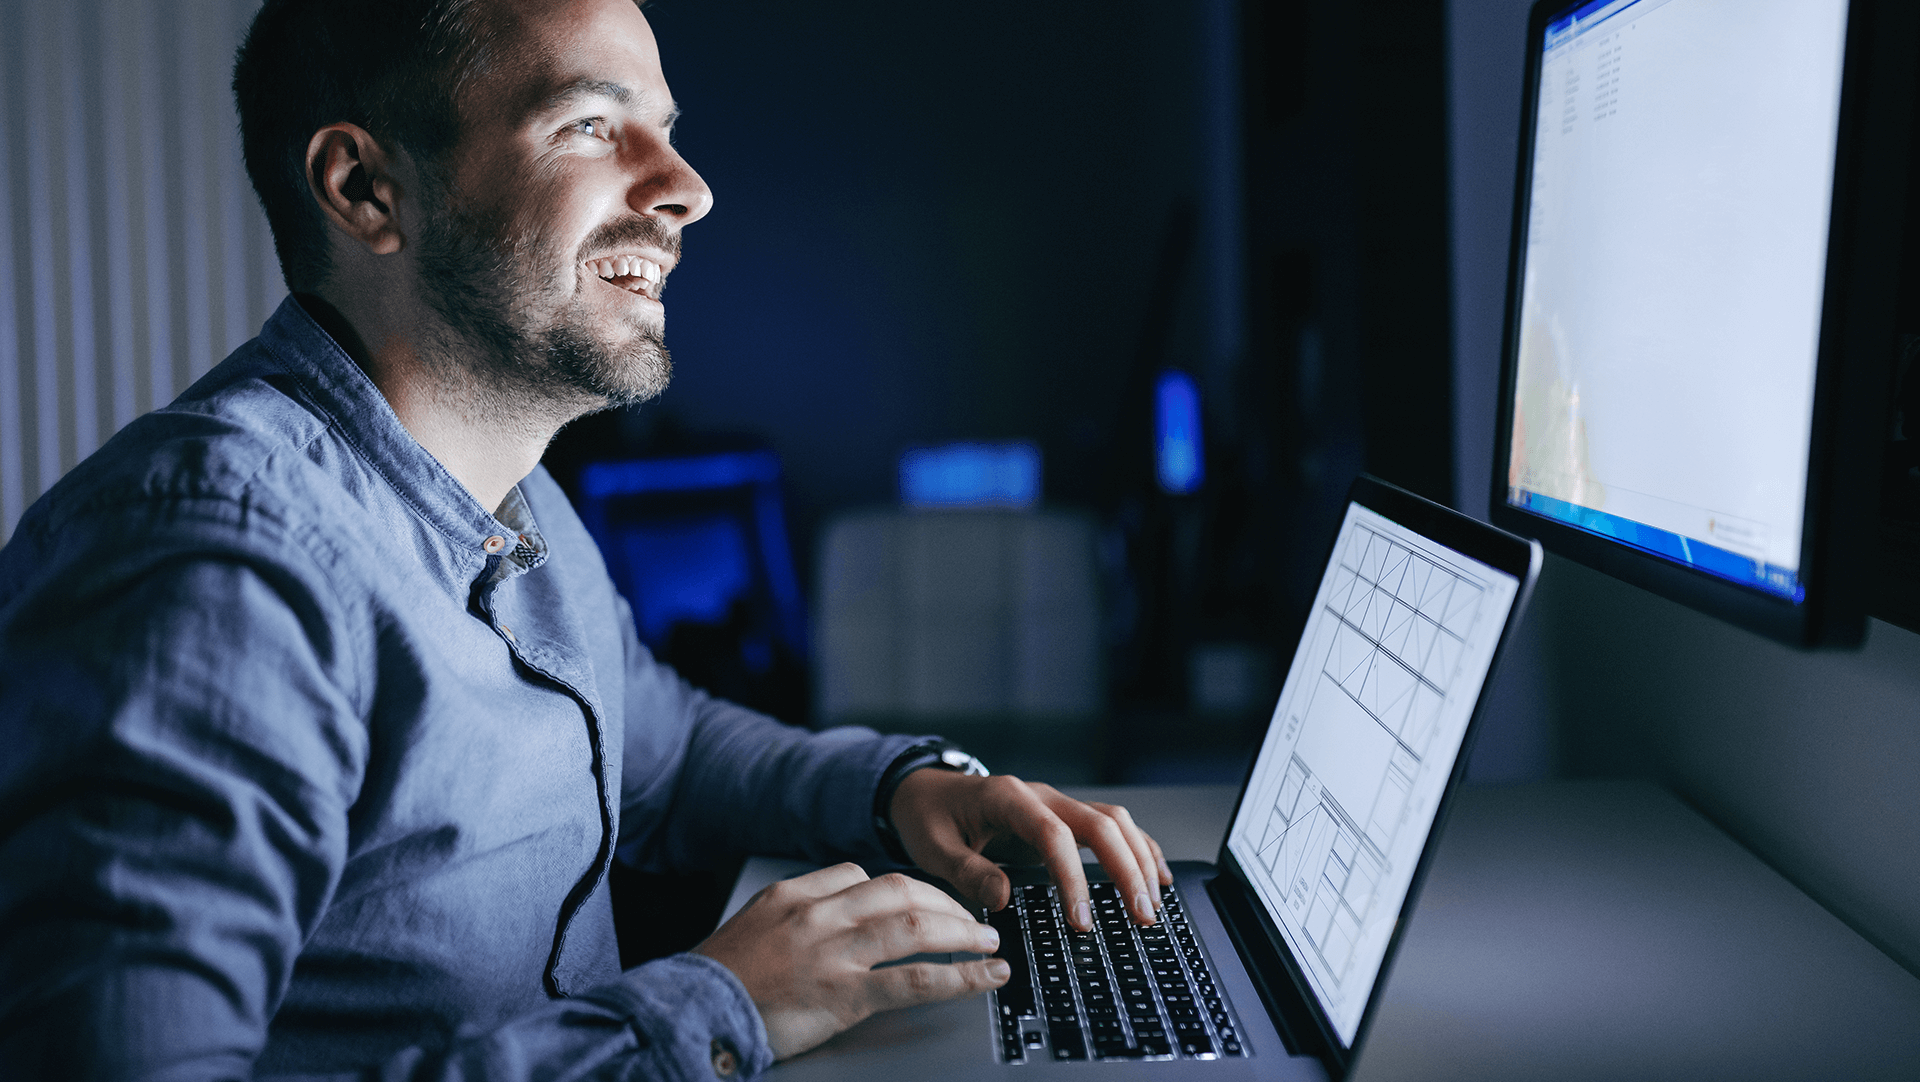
x,y
594,127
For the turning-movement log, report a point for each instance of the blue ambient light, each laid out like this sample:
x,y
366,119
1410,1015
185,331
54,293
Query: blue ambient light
x,y
971,475
1177,454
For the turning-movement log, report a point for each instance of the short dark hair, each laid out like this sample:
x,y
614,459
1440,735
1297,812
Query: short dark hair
x,y
393,67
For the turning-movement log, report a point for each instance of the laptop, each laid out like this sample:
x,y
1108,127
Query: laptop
x,y
1268,963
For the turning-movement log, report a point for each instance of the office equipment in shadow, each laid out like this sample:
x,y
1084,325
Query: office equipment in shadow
x,y
698,546
1701,299
1269,963
968,610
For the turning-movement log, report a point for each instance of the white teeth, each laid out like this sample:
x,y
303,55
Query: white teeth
x,y
643,275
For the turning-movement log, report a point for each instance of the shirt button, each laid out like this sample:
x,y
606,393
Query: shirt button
x,y
725,1063
508,632
494,544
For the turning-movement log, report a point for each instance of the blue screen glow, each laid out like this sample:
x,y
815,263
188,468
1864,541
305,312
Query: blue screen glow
x,y
1178,458
971,475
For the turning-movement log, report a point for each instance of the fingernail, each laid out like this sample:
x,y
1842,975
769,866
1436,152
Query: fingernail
x,y
1083,916
989,941
1143,905
998,969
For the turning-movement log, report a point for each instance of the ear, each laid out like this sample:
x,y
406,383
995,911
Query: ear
x,y
351,177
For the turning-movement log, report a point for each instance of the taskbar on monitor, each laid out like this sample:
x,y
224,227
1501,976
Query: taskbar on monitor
x,y
1781,582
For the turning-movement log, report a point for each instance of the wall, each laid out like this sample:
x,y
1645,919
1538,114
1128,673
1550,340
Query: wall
x,y
1485,39
1811,760
932,222
132,253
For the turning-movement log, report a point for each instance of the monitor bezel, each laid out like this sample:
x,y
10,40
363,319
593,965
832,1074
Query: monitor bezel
x,y
1855,345
1268,952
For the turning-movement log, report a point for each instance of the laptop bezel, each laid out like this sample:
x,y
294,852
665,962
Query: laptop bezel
x,y
1267,953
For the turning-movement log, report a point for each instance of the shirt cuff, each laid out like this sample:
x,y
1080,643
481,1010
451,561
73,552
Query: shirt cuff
x,y
694,1019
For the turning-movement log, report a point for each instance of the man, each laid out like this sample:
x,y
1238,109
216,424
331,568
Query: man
x,y
322,720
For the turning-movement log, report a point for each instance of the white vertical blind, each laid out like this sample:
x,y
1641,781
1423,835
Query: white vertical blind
x,y
133,256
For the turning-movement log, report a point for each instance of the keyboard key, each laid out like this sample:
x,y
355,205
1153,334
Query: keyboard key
x,y
1067,1043
1196,1046
1155,1046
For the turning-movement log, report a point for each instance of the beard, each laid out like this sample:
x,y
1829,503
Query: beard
x,y
515,336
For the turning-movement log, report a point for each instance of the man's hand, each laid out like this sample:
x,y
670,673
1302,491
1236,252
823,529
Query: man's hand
x,y
805,949
957,825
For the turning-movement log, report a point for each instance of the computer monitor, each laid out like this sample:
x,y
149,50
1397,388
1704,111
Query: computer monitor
x,y
1701,298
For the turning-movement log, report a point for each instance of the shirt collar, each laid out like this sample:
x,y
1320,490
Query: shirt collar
x,y
342,391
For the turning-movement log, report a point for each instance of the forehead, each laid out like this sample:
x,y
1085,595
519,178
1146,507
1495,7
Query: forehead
x,y
542,50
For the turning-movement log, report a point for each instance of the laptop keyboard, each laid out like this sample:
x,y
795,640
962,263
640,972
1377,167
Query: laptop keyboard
x,y
1118,992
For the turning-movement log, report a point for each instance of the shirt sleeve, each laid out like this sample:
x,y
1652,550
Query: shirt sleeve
x,y
683,1018
184,742
704,779
181,757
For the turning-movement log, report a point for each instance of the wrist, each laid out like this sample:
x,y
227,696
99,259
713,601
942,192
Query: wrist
x,y
928,755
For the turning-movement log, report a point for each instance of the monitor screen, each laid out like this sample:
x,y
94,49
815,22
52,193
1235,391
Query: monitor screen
x,y
1672,274
1370,722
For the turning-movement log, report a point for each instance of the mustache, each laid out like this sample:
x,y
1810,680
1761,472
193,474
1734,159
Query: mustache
x,y
636,230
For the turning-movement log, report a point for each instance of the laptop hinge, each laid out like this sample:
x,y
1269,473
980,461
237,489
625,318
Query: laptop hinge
x,y
1284,1001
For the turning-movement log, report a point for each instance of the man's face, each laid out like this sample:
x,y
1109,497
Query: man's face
x,y
550,229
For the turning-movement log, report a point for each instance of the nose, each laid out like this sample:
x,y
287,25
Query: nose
x,y
669,187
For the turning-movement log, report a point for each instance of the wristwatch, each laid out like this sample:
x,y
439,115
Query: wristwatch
x,y
934,754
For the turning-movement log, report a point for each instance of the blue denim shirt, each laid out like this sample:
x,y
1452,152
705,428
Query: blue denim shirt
x,y
311,765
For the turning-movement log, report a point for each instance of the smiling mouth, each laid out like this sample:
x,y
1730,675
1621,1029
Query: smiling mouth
x,y
634,274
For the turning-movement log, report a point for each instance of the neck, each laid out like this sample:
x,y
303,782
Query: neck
x,y
487,443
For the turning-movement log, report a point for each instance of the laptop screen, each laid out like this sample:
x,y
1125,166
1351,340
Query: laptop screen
x,y
1370,722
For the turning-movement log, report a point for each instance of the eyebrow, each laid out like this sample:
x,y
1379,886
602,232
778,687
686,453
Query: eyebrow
x,y
567,94
571,93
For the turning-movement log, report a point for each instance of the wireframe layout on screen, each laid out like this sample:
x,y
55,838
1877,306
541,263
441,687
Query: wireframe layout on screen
x,y
1365,736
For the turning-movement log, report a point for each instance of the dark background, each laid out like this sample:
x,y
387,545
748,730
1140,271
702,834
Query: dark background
x,y
998,220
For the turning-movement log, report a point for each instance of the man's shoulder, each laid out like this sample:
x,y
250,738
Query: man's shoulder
x,y
238,459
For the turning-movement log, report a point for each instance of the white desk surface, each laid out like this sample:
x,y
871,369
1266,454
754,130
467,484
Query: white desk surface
x,y
1595,930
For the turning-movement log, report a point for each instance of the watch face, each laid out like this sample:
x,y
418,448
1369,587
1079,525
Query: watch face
x,y
961,761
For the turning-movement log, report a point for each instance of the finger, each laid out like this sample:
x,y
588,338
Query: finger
x,y
1101,834
917,931
1137,841
893,893
931,982
975,876
982,881
1037,822
1160,861
820,884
